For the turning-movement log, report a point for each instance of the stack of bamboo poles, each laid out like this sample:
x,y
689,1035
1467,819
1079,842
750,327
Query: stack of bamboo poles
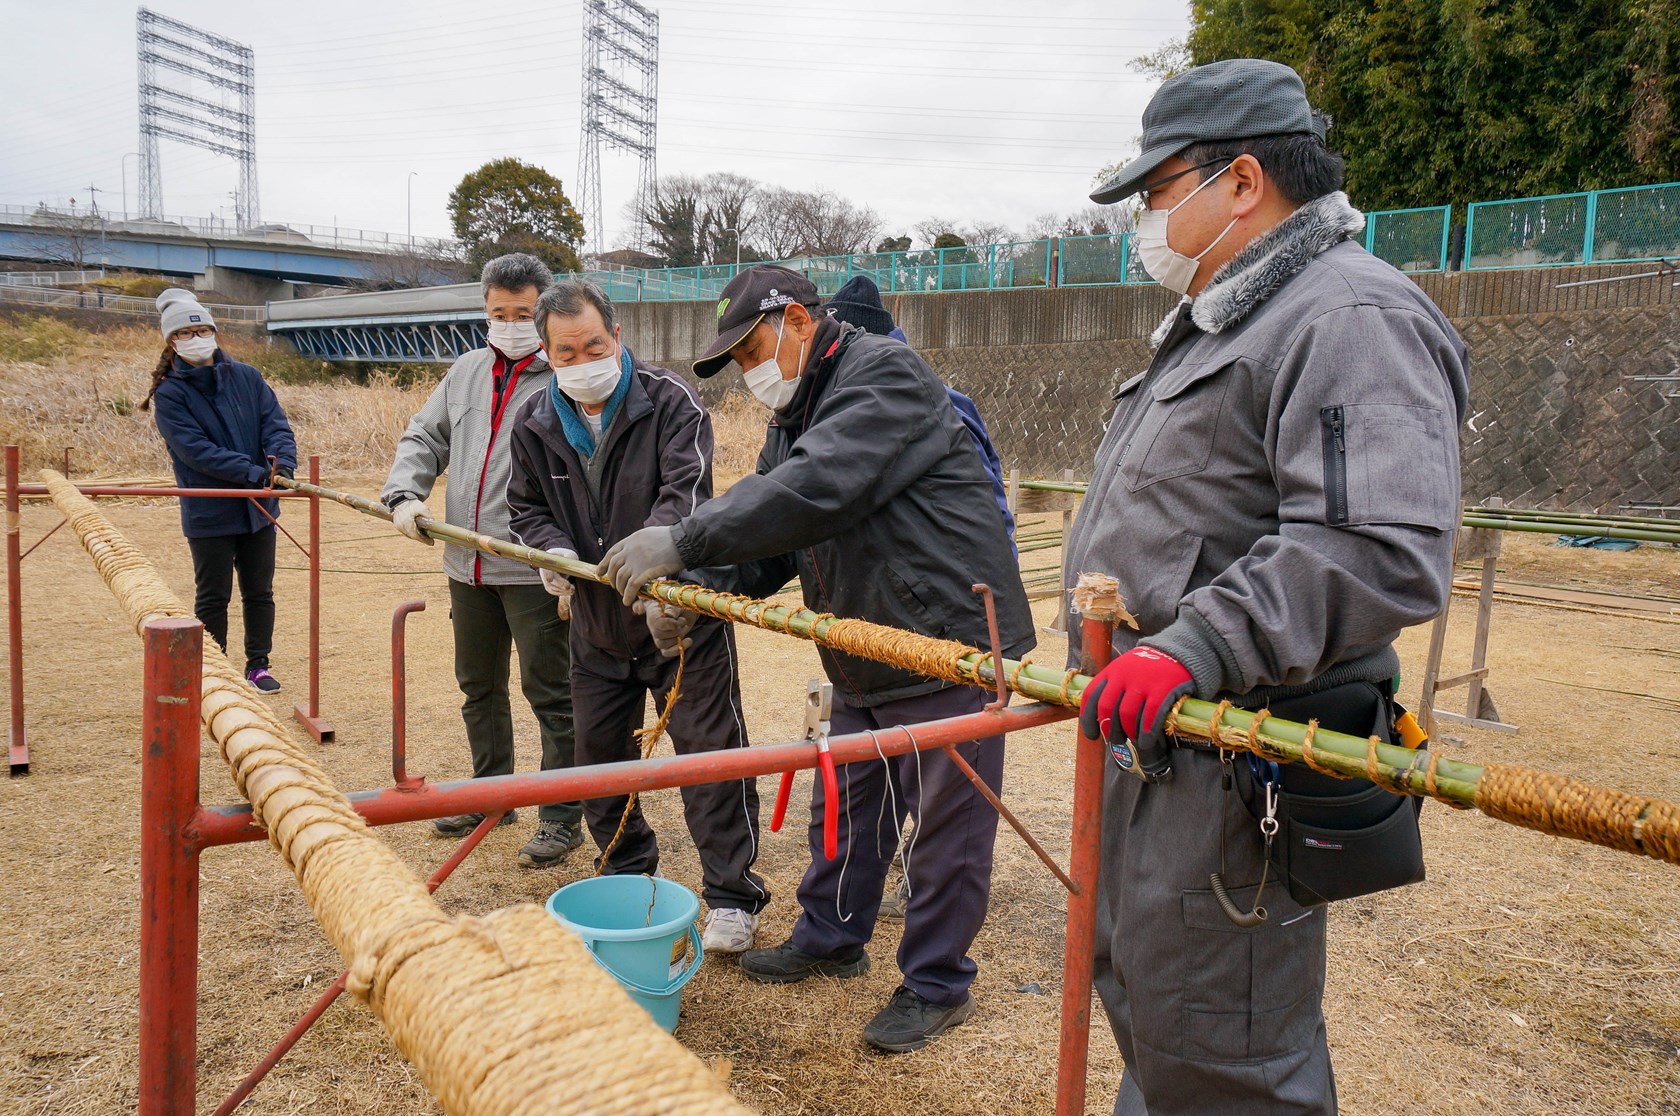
x,y
501,1014
1549,803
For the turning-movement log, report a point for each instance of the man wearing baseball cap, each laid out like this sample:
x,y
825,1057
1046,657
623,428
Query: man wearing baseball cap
x,y
1276,495
869,490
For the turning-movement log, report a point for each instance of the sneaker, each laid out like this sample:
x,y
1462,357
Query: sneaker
x,y
894,904
729,930
459,825
262,680
553,843
788,963
910,1021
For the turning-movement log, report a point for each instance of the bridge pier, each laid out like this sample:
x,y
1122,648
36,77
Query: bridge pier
x,y
244,286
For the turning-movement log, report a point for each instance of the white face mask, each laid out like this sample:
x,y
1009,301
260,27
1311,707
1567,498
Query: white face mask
x,y
765,380
515,339
195,350
592,382
1173,270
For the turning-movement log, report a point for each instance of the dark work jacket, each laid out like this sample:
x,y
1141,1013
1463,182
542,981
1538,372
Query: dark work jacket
x,y
657,469
222,423
870,490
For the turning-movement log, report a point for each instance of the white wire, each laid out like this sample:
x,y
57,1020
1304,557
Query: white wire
x,y
840,884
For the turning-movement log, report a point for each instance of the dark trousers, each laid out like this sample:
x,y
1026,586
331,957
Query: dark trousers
x,y
1212,1018
948,865
489,621
215,560
722,817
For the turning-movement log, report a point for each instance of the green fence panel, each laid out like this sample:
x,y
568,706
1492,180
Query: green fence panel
x,y
1413,240
1090,261
1636,223
1527,232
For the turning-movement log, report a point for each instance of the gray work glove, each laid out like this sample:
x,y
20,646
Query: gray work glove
x,y
669,626
404,517
634,561
559,584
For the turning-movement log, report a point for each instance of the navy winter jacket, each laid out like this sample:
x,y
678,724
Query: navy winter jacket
x,y
221,423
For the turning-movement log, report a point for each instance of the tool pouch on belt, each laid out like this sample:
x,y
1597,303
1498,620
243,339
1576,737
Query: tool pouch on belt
x,y
1340,838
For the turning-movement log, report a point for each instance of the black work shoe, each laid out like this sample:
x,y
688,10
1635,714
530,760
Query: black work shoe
x,y
788,963
910,1021
553,843
459,825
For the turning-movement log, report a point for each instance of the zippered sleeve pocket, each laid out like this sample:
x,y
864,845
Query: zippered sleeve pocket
x,y
1333,421
1389,463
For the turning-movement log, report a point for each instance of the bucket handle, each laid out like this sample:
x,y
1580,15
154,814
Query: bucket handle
x,y
695,947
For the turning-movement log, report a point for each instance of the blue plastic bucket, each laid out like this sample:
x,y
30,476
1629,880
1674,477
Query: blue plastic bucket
x,y
633,925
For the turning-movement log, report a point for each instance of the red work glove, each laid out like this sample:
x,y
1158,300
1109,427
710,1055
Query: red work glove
x,y
1129,700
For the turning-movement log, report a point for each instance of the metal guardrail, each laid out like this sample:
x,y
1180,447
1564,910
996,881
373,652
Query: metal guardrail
x,y
122,304
47,278
215,228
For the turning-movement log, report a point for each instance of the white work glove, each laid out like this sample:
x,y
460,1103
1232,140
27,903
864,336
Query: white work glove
x,y
403,518
559,584
669,625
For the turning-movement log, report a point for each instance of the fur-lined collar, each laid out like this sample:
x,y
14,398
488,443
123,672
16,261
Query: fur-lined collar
x,y
1254,274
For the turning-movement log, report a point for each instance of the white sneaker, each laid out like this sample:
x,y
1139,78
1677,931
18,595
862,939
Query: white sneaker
x,y
729,930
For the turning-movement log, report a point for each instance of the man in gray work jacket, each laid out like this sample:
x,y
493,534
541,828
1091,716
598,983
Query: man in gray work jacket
x,y
868,489
494,604
1277,495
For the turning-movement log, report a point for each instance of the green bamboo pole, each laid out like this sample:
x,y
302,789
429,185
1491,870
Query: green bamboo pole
x,y
1553,527
1536,800
1591,517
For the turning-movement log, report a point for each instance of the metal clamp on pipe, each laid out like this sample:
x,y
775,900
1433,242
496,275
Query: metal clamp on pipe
x,y
819,709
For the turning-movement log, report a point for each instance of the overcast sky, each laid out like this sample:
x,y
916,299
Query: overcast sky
x,y
966,109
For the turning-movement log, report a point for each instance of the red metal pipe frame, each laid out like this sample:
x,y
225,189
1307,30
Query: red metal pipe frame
x,y
1084,861
229,825
169,868
141,490
399,694
318,727
17,741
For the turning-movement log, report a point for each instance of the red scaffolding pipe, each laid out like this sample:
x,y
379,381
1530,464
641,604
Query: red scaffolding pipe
x,y
17,743
169,868
141,490
309,716
227,825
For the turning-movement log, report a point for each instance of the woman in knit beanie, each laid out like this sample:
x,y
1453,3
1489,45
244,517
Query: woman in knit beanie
x,y
222,425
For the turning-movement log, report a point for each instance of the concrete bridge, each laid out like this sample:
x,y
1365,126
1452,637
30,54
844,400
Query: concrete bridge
x,y
258,263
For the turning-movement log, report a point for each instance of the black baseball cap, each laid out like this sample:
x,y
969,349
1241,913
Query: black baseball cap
x,y
1239,98
755,292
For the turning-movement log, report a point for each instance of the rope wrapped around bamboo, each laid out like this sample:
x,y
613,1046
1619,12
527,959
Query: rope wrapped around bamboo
x,y
1527,798
500,1014
1570,808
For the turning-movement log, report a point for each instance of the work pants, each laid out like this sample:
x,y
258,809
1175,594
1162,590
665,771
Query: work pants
x,y
948,862
215,561
1212,1018
722,817
489,621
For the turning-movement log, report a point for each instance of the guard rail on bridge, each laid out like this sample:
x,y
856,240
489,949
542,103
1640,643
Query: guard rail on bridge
x,y
89,222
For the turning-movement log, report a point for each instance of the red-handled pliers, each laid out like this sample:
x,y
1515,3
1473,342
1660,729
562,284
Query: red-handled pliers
x,y
819,707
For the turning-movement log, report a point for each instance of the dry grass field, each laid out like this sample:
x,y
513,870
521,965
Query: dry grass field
x,y
1527,975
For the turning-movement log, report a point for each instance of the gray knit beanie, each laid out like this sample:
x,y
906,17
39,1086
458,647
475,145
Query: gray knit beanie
x,y
180,309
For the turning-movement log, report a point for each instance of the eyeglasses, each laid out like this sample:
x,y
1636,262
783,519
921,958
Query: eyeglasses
x,y
194,331
1145,191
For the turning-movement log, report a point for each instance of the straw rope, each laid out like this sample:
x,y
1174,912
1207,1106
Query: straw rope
x,y
501,1014
1567,807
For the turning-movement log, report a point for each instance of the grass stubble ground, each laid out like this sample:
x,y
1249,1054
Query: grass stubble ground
x,y
1527,975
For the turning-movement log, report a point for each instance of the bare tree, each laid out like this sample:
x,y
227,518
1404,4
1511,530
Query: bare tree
x,y
1091,220
65,236
419,266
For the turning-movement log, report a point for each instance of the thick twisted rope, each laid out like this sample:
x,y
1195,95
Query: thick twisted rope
x,y
501,1014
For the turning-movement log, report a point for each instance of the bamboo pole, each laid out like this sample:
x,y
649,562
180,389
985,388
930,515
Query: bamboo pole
x,y
1553,804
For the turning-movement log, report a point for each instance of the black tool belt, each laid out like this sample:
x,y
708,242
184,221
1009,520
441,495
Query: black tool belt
x,y
1337,838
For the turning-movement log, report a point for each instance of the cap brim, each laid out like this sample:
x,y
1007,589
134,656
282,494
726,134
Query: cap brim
x,y
1133,175
712,361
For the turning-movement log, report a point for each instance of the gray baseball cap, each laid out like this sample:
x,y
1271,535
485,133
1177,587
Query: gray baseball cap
x,y
1239,98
